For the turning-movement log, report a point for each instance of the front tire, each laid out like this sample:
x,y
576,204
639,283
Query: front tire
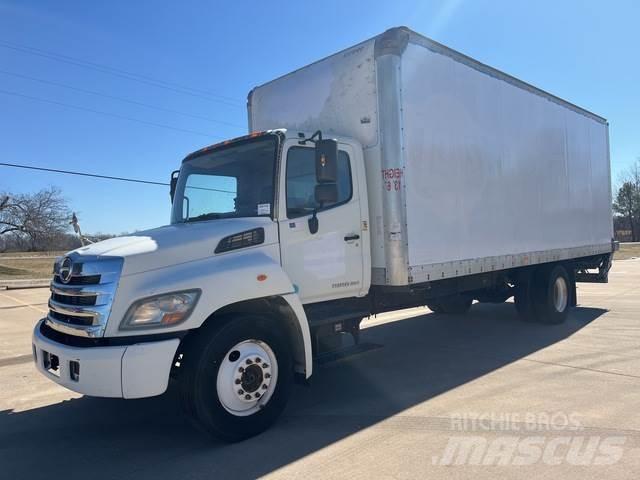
x,y
238,375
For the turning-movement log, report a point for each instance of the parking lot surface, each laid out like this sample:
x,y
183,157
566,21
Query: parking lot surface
x,y
483,395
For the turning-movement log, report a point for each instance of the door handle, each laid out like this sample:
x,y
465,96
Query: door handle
x,y
349,238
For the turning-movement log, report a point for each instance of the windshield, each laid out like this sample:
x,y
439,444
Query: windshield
x,y
236,181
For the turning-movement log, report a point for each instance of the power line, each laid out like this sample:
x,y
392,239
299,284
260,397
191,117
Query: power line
x,y
105,177
115,71
175,87
108,114
113,97
83,174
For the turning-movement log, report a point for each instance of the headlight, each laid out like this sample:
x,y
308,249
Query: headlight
x,y
163,310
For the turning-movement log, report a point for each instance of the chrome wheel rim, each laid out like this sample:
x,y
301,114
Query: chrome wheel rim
x,y
560,294
247,377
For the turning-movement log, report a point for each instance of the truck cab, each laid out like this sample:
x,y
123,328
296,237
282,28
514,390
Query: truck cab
x,y
273,175
260,226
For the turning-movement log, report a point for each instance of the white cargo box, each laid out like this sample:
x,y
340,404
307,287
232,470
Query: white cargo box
x,y
468,169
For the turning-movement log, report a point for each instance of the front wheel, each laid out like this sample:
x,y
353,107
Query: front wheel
x,y
238,377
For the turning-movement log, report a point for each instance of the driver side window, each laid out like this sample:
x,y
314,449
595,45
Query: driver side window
x,y
301,182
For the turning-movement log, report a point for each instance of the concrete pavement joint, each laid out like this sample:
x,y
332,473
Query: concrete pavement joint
x,y
580,368
24,304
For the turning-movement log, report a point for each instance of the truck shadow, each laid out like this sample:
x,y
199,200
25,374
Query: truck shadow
x,y
423,356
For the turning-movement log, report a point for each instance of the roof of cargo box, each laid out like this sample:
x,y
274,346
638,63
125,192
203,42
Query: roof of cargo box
x,y
395,40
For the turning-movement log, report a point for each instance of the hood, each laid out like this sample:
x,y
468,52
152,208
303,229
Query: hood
x,y
175,244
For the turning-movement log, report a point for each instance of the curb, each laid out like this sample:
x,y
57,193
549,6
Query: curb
x,y
29,283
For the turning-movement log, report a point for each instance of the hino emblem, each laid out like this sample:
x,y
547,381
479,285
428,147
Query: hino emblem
x,y
66,269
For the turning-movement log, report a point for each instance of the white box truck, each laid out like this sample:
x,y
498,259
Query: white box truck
x,y
396,173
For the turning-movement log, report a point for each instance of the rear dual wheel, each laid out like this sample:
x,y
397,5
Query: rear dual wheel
x,y
545,294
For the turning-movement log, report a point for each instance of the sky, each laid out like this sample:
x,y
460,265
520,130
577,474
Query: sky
x,y
58,111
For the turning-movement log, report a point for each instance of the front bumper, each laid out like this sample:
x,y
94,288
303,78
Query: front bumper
x,y
127,371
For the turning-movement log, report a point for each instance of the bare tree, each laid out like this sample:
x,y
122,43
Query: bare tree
x,y
625,205
36,217
627,201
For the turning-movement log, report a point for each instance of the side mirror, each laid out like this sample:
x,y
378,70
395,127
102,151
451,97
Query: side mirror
x,y
326,193
326,161
172,184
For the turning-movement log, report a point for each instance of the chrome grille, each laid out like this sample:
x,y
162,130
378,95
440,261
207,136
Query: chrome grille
x,y
71,319
81,306
74,299
86,280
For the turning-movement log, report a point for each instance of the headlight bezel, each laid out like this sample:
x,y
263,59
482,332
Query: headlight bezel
x,y
126,324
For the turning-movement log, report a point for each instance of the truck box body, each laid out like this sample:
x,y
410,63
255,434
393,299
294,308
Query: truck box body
x,y
468,169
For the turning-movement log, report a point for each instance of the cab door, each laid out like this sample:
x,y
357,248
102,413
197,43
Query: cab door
x,y
328,264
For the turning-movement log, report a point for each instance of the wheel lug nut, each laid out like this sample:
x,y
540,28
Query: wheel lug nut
x,y
247,397
241,369
257,395
265,365
240,392
267,375
249,362
237,381
258,360
264,386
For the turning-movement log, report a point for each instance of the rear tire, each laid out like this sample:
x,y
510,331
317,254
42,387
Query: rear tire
x,y
220,362
552,294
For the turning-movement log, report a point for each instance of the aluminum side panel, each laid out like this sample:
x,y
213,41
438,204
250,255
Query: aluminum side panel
x,y
492,169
